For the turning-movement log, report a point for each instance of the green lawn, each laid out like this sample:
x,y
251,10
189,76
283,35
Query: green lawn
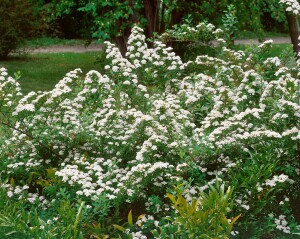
x,y
43,71
253,35
49,41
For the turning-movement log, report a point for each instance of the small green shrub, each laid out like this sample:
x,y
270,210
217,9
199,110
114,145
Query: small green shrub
x,y
64,222
229,22
204,217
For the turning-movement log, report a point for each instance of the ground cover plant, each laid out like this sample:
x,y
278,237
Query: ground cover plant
x,y
154,147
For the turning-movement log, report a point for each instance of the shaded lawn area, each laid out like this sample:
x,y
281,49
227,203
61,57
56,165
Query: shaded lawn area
x,y
49,41
252,35
43,71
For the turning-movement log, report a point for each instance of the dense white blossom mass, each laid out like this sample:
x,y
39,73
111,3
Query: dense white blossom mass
x,y
115,135
292,6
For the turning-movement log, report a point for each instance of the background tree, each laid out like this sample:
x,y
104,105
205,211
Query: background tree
x,y
102,19
17,23
112,19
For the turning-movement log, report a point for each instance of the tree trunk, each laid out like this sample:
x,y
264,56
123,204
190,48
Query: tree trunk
x,y
122,38
151,12
176,17
294,31
121,43
162,20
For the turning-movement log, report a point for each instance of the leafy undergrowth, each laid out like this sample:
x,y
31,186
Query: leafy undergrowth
x,y
155,147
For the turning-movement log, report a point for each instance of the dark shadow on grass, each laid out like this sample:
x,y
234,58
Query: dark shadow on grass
x,y
23,58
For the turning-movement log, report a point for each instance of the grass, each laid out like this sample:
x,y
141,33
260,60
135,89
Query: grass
x,y
253,35
48,41
43,71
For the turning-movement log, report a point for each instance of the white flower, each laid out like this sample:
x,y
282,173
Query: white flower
x,y
247,207
10,194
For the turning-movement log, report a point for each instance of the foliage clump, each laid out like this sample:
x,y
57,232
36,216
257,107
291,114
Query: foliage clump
x,y
17,23
203,217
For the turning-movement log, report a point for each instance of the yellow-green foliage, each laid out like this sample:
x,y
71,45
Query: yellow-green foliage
x,y
206,216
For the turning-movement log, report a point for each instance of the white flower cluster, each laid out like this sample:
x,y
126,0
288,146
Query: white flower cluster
x,y
292,6
276,179
232,118
10,91
203,33
282,224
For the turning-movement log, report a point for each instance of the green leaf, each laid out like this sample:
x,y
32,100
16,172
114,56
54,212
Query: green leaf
x,y
120,228
171,197
234,219
140,217
130,217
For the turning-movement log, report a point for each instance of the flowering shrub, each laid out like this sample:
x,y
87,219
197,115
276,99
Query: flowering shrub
x,y
189,42
123,140
203,32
